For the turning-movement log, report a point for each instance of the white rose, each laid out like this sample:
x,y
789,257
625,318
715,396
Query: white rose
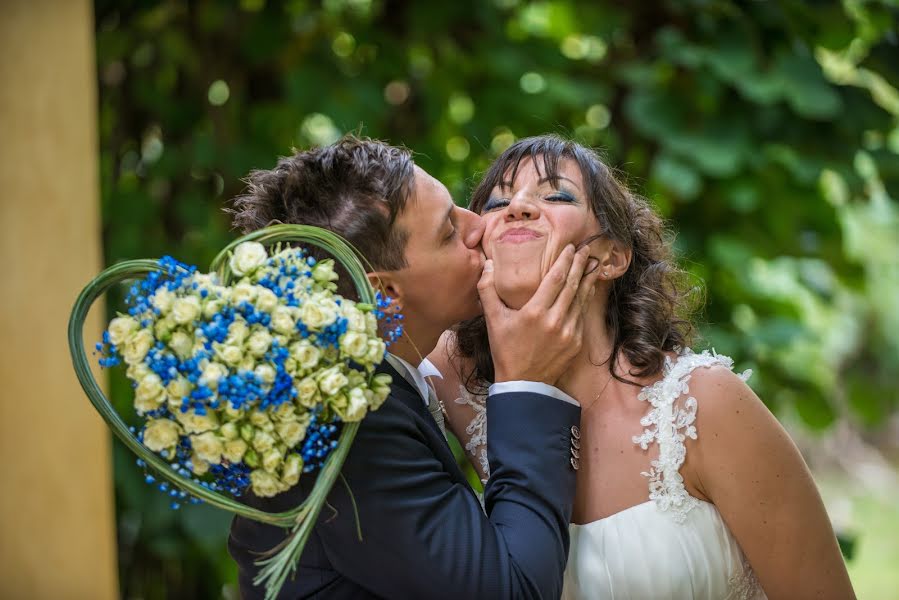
x,y
149,394
179,388
265,373
208,447
213,307
381,389
248,363
271,460
285,412
265,485
212,373
324,271
307,390
197,423
161,434
355,318
137,371
247,257
261,421
162,300
282,321
306,354
292,469
331,380
121,328
186,309
263,441
355,344
243,292
182,344
374,353
230,355
229,431
259,343
267,300
237,333
198,465
137,346
317,315
234,450
164,326
356,407
291,432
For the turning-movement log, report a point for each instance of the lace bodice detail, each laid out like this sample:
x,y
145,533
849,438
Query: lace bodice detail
x,y
476,445
669,423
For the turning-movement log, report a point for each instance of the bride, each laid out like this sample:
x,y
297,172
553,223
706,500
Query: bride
x,y
687,486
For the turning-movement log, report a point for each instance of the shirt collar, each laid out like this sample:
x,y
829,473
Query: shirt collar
x,y
410,374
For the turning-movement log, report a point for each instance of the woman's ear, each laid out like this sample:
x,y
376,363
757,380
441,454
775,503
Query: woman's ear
x,y
614,259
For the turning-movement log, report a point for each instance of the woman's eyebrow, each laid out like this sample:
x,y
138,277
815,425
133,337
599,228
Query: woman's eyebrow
x,y
549,180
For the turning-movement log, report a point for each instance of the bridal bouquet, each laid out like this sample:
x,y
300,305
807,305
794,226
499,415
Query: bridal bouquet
x,y
243,376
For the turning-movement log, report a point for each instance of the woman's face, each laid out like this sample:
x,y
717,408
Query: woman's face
x,y
528,222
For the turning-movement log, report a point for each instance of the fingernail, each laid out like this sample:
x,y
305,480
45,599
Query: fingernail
x,y
592,264
488,266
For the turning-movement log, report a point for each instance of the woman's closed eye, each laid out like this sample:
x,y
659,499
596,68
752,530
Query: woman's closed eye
x,y
558,196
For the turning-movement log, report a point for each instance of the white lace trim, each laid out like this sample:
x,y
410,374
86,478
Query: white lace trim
x,y
477,429
669,425
744,585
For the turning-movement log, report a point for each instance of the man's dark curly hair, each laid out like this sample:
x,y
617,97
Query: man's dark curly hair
x,y
355,187
649,307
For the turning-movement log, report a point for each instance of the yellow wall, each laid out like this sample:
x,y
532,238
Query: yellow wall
x,y
57,535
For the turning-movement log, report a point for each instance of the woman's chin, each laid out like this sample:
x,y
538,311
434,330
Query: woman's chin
x,y
515,295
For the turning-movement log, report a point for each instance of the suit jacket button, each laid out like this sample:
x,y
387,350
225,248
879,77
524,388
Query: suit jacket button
x,y
575,463
576,443
575,453
576,432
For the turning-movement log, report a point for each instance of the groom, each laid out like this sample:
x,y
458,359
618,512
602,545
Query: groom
x,y
424,531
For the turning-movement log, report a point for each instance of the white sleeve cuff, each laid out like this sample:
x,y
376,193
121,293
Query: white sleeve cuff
x,y
531,386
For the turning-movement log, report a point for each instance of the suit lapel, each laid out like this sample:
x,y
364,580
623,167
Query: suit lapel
x,y
407,394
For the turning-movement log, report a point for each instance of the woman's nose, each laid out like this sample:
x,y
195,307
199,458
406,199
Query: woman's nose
x,y
522,207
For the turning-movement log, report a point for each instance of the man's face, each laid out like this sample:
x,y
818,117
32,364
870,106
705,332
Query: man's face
x,y
443,255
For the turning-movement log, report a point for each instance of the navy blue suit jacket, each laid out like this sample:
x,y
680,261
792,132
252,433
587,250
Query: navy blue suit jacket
x,y
424,532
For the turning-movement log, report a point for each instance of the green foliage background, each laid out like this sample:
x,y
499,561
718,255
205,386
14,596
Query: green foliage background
x,y
766,132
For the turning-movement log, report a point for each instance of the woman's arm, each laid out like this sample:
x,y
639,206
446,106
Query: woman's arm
x,y
751,470
465,412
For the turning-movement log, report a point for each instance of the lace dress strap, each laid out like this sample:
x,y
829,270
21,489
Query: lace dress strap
x,y
476,446
669,424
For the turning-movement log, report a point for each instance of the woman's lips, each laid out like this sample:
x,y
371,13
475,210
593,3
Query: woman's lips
x,y
519,235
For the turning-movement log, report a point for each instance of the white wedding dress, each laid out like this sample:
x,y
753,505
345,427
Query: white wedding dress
x,y
673,546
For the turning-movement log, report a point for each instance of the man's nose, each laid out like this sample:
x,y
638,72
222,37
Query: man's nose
x,y
474,229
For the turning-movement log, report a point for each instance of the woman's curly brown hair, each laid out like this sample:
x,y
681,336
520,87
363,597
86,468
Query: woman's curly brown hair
x,y
649,307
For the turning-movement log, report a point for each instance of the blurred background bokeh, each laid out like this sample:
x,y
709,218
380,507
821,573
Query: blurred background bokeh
x,y
767,133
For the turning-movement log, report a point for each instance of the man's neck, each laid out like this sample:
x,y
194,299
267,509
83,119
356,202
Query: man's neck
x,y
414,346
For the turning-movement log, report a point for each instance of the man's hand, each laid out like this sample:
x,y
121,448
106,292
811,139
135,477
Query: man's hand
x,y
539,341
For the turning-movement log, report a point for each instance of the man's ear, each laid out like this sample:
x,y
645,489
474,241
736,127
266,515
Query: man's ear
x,y
386,283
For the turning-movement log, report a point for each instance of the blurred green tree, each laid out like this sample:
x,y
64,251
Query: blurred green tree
x,y
766,132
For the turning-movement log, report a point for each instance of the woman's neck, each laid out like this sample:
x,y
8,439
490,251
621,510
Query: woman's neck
x,y
593,363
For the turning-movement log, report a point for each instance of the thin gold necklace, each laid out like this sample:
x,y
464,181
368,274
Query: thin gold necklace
x,y
599,395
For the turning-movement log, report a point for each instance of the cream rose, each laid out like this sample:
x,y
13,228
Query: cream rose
x,y
243,292
121,328
197,423
381,389
208,447
164,326
282,321
237,333
291,432
317,315
307,391
198,465
212,373
375,349
186,309
259,343
354,344
330,381
263,441
137,371
162,300
149,394
266,301
324,271
264,483
212,307
182,344
234,450
137,346
247,257
265,373
161,434
229,431
261,421
357,406
271,460
292,469
230,355
306,355
355,318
